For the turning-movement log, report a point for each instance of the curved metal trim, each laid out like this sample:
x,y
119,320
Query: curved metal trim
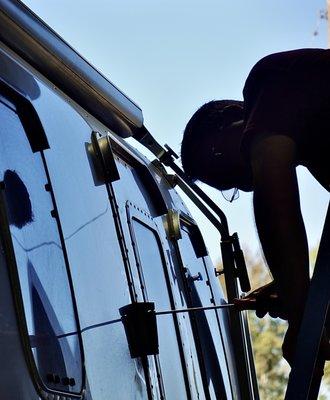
x,y
34,41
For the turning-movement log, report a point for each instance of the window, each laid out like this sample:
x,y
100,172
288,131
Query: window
x,y
41,267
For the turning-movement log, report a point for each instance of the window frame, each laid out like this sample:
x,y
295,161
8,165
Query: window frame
x,y
195,235
142,217
145,219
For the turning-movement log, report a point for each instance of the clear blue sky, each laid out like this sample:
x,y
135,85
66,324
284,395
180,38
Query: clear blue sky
x,y
170,56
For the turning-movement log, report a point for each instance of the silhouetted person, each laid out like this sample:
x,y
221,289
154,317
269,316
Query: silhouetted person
x,y
256,146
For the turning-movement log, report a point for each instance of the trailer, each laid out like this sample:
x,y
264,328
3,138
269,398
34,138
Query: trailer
x,y
106,287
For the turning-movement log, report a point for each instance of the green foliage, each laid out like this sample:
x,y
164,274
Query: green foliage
x,y
326,378
267,337
272,371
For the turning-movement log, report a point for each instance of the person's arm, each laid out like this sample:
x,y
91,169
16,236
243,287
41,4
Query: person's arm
x,y
278,218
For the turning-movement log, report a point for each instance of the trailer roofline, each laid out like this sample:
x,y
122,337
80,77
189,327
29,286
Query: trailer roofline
x,y
27,35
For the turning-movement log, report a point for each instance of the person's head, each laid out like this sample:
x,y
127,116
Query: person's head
x,y
210,149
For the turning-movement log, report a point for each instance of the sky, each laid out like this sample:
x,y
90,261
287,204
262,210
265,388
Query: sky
x,y
171,56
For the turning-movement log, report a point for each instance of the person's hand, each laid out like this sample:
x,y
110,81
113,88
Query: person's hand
x,y
263,300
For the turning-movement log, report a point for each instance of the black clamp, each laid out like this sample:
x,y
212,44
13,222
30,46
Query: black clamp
x,y
140,325
167,157
241,270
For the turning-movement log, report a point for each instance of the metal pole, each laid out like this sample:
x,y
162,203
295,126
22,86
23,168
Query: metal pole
x,y
312,326
193,309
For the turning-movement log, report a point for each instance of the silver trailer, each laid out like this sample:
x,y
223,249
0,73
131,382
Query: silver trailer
x,y
88,226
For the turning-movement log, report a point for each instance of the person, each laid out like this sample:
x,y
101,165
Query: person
x,y
256,145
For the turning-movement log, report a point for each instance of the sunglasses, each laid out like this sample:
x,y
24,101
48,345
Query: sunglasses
x,y
230,194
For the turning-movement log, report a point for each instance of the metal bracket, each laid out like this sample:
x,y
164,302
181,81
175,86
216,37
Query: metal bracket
x,y
241,270
168,155
140,325
173,227
218,272
197,277
104,161
193,278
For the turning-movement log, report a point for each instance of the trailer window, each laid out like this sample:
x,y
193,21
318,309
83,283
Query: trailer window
x,y
39,264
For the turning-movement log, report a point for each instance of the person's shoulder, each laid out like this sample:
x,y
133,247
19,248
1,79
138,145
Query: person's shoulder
x,y
283,63
284,59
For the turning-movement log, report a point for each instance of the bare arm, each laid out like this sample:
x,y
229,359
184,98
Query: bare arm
x,y
279,220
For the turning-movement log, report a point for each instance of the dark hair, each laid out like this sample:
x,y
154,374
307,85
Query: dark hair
x,y
203,124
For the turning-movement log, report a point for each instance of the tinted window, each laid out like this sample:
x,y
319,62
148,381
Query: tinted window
x,y
39,258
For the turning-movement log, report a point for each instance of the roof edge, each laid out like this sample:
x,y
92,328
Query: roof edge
x,y
33,40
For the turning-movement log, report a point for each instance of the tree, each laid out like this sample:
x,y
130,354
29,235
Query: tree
x,y
272,370
267,337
